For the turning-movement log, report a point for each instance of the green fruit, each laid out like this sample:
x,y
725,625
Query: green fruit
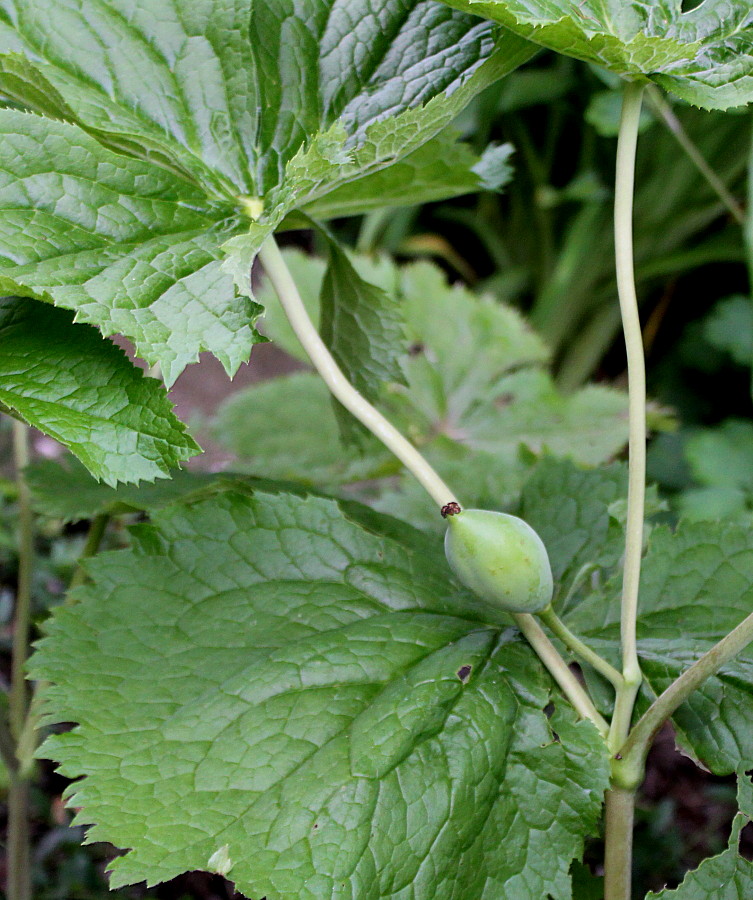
x,y
500,558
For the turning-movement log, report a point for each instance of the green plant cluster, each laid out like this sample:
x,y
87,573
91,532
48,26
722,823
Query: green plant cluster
x,y
275,674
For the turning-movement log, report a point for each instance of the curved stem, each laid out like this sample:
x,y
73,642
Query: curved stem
x,y
623,239
351,399
629,768
579,648
343,390
618,851
669,118
560,671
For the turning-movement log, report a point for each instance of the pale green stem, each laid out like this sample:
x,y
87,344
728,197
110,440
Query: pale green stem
x,y
93,540
290,299
628,768
19,847
694,154
623,239
618,851
560,671
550,618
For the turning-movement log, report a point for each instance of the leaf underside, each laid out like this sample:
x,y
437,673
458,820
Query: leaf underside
x,y
703,55
315,707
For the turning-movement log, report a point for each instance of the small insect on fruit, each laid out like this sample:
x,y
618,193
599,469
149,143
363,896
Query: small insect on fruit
x,y
500,558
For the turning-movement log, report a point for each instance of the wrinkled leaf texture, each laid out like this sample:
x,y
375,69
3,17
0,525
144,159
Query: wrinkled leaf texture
x,y
185,122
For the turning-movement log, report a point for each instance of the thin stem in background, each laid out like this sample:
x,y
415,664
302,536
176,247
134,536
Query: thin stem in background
x,y
290,300
18,700
667,115
93,540
629,768
623,239
19,848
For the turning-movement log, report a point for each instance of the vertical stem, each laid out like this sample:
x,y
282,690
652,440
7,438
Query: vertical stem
x,y
19,850
623,239
290,299
19,697
618,857
93,540
18,854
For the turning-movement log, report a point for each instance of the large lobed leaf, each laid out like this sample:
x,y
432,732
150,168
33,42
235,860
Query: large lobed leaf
x,y
266,688
185,122
703,54
65,380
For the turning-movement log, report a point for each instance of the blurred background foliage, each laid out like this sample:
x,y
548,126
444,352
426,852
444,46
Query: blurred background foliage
x,y
530,273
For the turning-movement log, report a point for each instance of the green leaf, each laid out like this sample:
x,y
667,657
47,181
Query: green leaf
x,y
728,876
203,117
64,489
729,327
571,510
286,694
696,586
443,167
603,112
68,382
129,246
479,401
703,54
362,326
723,456
304,444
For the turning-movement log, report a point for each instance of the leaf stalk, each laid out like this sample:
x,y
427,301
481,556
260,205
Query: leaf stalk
x,y
292,304
628,770
322,360
623,238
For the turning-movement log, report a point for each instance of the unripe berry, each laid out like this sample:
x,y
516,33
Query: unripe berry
x,y
500,558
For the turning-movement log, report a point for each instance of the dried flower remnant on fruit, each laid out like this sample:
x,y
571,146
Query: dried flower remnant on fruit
x,y
450,509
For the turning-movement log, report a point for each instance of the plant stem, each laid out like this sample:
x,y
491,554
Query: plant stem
x,y
93,540
579,648
351,399
19,850
667,115
18,853
623,239
560,671
343,390
629,769
19,698
618,857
